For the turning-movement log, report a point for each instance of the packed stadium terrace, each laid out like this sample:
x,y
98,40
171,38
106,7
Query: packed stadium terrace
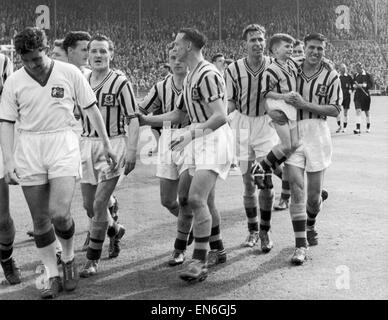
x,y
141,58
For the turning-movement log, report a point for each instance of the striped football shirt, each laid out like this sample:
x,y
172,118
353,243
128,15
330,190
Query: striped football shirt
x,y
202,86
322,88
5,70
116,102
245,85
280,78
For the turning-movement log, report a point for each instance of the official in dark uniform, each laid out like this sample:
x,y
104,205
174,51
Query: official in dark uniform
x,y
347,88
363,82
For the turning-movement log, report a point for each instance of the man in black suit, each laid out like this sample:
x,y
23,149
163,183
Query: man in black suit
x,y
363,82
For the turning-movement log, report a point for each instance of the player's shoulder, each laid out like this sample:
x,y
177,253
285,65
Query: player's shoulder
x,y
66,68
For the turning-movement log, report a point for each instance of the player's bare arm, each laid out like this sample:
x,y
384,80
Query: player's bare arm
x,y
216,120
328,110
97,122
132,140
175,117
7,142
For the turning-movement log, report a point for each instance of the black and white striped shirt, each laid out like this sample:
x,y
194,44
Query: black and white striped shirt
x,y
245,86
5,70
203,85
322,88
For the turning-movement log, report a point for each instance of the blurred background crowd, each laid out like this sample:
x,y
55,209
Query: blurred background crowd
x,y
141,29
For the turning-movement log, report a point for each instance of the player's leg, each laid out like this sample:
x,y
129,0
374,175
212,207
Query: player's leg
x,y
250,204
88,193
60,198
217,252
345,119
339,123
266,197
358,105
367,115
285,194
298,212
168,195
184,221
156,133
7,237
99,224
314,204
113,206
37,198
201,185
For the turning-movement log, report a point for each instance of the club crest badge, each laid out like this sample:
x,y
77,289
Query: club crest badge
x,y
321,90
57,92
108,100
195,94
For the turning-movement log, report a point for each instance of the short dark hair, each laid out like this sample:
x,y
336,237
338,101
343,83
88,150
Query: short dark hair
x,y
252,28
278,38
195,36
314,36
298,42
216,56
228,61
101,37
59,43
30,39
73,36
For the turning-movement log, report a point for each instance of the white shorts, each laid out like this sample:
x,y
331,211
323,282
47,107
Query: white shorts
x,y
315,151
253,135
95,169
43,156
1,164
170,164
213,151
281,105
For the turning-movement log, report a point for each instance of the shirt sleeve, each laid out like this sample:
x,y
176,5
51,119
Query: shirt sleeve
x,y
8,105
269,82
230,85
335,95
212,87
151,102
127,99
84,95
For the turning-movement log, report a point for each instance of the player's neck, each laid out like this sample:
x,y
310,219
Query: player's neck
x,y
178,80
255,62
310,69
194,61
99,75
281,60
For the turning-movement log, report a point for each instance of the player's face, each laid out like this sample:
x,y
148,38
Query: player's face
x,y
298,51
79,55
342,69
284,50
314,51
59,54
255,43
181,47
220,64
35,62
177,67
99,55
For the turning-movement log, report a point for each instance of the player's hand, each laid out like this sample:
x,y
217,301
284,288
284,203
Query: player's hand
x,y
11,174
181,142
111,158
142,120
288,96
130,162
297,100
278,117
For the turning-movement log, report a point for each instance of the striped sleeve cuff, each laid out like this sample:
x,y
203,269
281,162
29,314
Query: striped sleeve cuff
x,y
6,120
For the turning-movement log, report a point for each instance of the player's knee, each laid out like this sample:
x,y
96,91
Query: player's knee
x,y
61,221
196,202
100,207
41,224
169,204
6,223
183,200
314,205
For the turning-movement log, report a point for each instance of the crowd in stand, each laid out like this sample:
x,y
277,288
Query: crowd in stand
x,y
140,51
